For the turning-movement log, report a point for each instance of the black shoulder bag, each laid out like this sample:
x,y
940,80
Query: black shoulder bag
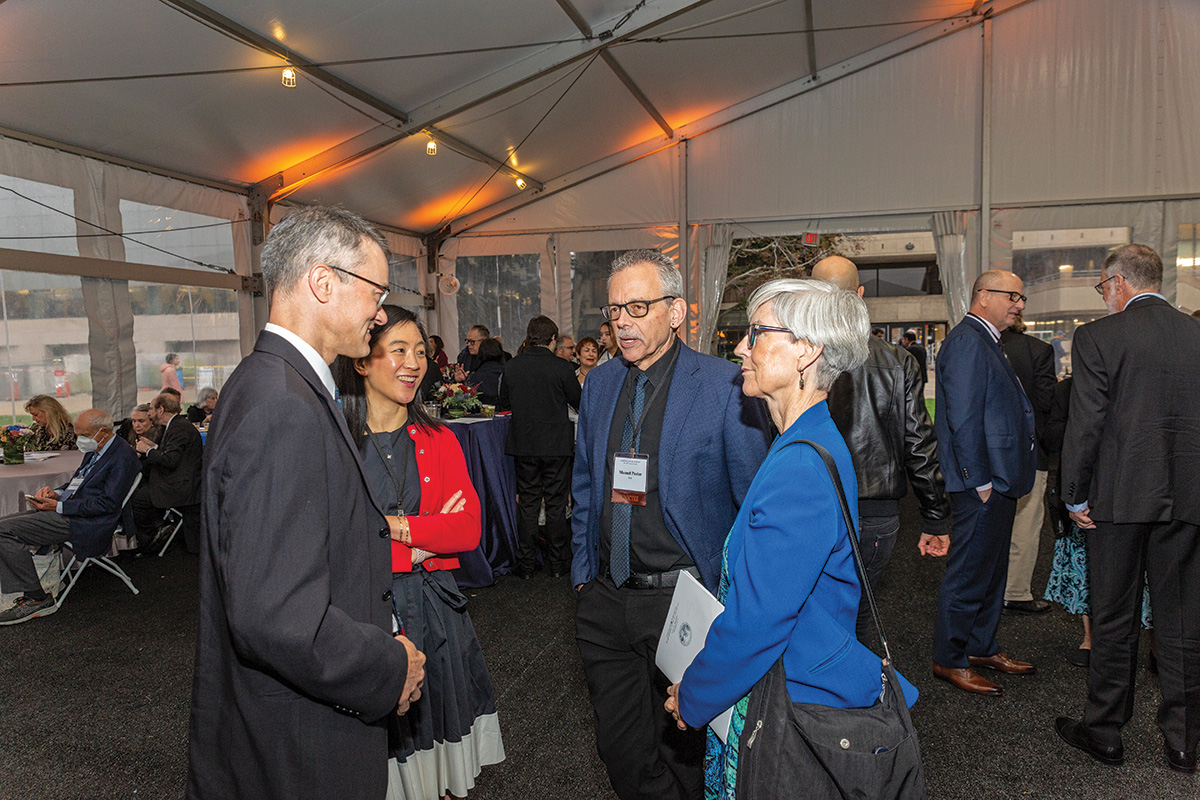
x,y
790,750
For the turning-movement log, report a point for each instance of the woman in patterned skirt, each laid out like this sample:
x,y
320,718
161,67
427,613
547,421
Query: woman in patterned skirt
x,y
417,471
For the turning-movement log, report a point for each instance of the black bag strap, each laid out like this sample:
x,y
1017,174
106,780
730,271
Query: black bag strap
x,y
853,536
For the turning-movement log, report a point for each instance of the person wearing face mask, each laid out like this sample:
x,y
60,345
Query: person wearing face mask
x,y
173,469
84,511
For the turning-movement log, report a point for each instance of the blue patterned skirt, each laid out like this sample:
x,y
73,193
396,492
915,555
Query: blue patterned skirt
x,y
1068,582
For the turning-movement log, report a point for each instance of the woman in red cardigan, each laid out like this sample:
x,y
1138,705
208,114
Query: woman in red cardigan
x,y
416,470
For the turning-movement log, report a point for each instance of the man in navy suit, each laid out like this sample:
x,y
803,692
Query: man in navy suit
x,y
685,443
84,511
985,432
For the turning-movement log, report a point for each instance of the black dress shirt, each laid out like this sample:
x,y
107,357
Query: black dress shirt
x,y
652,548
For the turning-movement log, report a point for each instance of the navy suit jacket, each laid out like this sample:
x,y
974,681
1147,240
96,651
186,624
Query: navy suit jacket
x,y
984,421
95,507
713,440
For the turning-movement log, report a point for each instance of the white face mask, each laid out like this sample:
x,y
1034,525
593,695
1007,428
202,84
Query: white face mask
x,y
86,444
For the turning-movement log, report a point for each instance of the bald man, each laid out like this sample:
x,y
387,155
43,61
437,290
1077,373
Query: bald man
x,y
985,433
880,410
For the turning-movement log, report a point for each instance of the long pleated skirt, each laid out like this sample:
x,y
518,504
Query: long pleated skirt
x,y
452,731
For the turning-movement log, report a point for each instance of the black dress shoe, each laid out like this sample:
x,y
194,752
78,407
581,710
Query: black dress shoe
x,y
1081,657
1027,606
1073,733
1179,760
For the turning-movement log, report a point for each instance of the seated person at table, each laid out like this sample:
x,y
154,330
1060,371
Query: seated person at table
x,y
486,377
85,510
139,424
173,468
51,426
206,401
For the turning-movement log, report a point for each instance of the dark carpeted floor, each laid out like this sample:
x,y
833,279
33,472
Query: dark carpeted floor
x,y
94,699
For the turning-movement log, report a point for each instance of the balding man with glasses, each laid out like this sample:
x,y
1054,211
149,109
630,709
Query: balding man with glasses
x,y
985,433
667,447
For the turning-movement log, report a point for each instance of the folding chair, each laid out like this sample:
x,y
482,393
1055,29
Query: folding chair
x,y
174,518
104,562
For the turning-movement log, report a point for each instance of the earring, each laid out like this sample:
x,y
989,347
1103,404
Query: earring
x,y
802,379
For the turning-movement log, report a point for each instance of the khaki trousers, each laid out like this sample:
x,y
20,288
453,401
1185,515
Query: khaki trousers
x,y
1026,535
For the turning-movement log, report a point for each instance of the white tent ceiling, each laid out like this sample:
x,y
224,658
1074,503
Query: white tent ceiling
x,y
548,87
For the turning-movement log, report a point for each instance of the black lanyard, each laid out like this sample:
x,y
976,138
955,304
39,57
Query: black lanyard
x,y
667,373
386,458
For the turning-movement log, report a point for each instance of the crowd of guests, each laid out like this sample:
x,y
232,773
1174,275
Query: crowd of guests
x,y
639,459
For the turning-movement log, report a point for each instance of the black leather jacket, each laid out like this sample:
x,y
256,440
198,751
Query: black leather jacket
x,y
880,410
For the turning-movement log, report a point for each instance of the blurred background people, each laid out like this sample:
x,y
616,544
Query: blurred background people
x,y
486,377
588,350
139,425
173,467
52,428
437,351
201,410
415,467
170,373
564,348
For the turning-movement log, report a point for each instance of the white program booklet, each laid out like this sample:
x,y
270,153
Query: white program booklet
x,y
693,610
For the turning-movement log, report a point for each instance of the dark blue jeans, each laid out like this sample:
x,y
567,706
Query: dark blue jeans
x,y
876,539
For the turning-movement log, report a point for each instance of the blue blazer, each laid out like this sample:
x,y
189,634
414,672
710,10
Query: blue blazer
x,y
713,440
95,507
984,421
793,589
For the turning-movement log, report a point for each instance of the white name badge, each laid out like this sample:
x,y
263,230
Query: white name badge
x,y
629,478
73,486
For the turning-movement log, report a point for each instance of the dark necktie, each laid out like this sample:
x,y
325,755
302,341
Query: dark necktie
x,y
618,562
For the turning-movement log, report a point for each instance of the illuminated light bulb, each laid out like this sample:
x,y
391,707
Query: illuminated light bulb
x,y
289,77
520,183
431,148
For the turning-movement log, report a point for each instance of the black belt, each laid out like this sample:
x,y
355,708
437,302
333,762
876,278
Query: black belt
x,y
657,580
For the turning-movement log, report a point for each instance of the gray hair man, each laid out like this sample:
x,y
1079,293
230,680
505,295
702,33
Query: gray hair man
x,y
880,410
296,616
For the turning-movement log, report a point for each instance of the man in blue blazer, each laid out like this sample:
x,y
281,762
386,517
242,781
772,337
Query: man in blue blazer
x,y
684,443
84,511
985,432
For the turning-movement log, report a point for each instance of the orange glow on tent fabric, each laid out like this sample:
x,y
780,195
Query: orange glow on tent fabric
x,y
264,165
449,206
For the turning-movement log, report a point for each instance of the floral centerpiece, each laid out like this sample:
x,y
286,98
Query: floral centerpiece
x,y
15,439
458,399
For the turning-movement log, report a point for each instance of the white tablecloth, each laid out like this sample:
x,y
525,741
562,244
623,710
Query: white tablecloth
x,y
27,478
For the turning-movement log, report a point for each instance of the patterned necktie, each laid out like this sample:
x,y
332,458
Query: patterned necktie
x,y
618,565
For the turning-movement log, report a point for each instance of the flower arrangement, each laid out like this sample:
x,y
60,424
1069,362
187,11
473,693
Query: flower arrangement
x,y
458,398
15,440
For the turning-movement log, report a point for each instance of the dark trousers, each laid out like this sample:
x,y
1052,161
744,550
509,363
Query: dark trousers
x,y
972,593
147,517
17,533
539,479
645,754
876,539
1169,553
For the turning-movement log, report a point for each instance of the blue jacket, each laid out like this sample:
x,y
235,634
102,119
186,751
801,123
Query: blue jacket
x,y
713,439
793,589
984,421
95,507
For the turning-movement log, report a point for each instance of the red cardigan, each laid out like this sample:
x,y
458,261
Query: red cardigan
x,y
443,471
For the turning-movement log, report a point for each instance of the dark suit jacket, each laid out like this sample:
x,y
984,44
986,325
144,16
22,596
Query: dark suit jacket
x,y
1132,446
296,668
95,507
537,387
173,469
715,438
984,422
1033,361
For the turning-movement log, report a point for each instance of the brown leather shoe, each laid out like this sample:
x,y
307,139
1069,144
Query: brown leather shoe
x,y
967,679
1002,663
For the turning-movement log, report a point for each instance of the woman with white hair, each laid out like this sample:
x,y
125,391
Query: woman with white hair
x,y
201,411
788,579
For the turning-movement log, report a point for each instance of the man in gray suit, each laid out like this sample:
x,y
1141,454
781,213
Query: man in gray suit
x,y
297,668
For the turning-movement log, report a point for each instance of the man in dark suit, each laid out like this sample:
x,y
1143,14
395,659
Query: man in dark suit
x,y
84,511
910,343
297,667
171,478
538,387
1131,479
985,433
686,443
1033,361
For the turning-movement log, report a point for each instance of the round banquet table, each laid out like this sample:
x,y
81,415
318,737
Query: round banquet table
x,y
495,481
22,479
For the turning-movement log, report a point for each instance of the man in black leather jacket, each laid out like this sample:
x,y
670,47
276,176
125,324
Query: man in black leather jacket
x,y
880,410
